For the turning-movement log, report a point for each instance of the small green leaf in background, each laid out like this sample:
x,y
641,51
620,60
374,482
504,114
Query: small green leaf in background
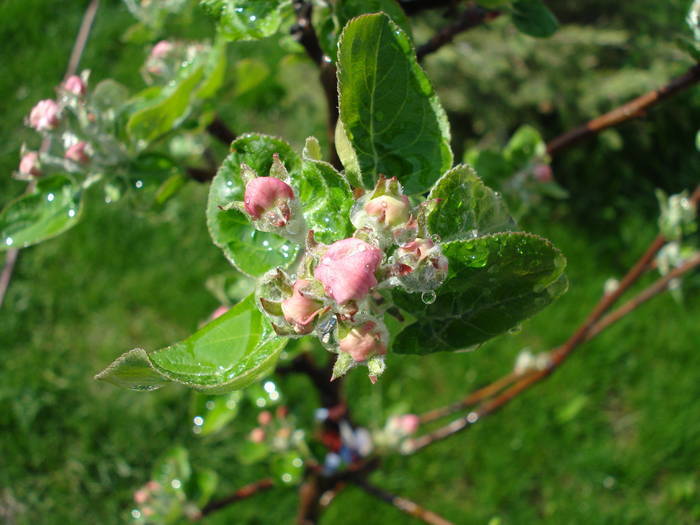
x,y
252,252
342,11
533,18
466,207
52,208
524,146
202,486
326,198
212,413
288,468
173,465
227,354
494,283
214,72
389,112
246,19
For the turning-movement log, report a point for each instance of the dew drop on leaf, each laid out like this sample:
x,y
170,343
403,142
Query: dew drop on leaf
x,y
428,297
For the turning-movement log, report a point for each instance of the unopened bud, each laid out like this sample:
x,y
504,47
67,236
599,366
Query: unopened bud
x,y
543,173
365,341
264,417
153,486
389,210
44,116
141,496
300,310
257,435
162,49
421,266
74,84
268,197
405,424
77,153
347,269
29,165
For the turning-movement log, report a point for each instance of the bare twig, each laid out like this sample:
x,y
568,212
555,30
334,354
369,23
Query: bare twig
x,y
470,18
404,505
240,494
73,62
634,109
220,131
412,7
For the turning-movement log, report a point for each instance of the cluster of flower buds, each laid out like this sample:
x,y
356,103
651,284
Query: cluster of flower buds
x,y
144,495
168,57
277,430
335,290
396,430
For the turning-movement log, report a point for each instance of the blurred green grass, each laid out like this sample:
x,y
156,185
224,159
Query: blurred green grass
x,y
613,437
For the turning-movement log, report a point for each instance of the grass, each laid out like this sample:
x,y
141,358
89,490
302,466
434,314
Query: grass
x,y
613,437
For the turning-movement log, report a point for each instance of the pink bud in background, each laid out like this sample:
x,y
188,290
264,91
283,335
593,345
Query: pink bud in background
x,y
77,153
300,310
264,418
407,423
153,486
74,84
264,194
363,342
29,165
347,269
161,49
282,412
543,173
221,310
257,435
141,496
44,116
390,211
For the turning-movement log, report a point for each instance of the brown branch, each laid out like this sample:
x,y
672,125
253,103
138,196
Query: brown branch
x,y
241,494
218,129
470,18
73,63
304,32
634,109
404,505
412,7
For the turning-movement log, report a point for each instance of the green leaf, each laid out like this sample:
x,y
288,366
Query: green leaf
x,y
171,466
390,113
533,18
495,282
214,72
466,207
212,413
345,10
202,486
245,19
157,119
251,251
524,146
54,207
288,467
491,165
327,198
227,354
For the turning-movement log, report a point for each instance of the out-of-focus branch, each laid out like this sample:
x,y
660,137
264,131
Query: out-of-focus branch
x,y
404,505
240,494
633,109
470,18
221,132
412,7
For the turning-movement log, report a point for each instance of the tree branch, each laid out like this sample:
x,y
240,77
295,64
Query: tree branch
x,y
240,494
633,109
470,18
218,129
404,505
412,7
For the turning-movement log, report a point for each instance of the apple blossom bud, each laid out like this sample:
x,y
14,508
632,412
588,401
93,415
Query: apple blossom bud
x,y
29,165
148,511
268,196
300,310
347,268
74,84
389,210
365,341
44,116
282,412
264,417
161,49
153,486
77,153
221,310
257,435
542,173
420,265
141,496
406,423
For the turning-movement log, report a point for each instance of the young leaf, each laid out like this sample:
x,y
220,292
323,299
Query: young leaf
x,y
524,146
246,20
495,282
389,112
533,18
53,207
251,251
227,354
466,207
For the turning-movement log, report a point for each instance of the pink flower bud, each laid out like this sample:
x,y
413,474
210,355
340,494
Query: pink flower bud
x,y
264,417
390,211
161,49
300,310
148,511
265,194
77,153
221,310
420,265
153,486
418,249
543,173
282,412
407,423
347,269
363,342
141,496
44,116
257,435
29,165
74,84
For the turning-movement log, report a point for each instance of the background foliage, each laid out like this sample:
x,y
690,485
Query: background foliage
x,y
614,434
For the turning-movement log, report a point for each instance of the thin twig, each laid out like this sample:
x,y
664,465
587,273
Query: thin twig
x,y
73,63
218,129
412,7
241,494
470,18
404,505
634,109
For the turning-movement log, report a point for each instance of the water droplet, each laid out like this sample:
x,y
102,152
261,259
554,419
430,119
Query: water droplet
x,y
136,514
198,420
515,329
50,197
9,241
297,462
252,18
472,417
176,484
269,387
428,297
210,405
71,213
138,184
229,183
